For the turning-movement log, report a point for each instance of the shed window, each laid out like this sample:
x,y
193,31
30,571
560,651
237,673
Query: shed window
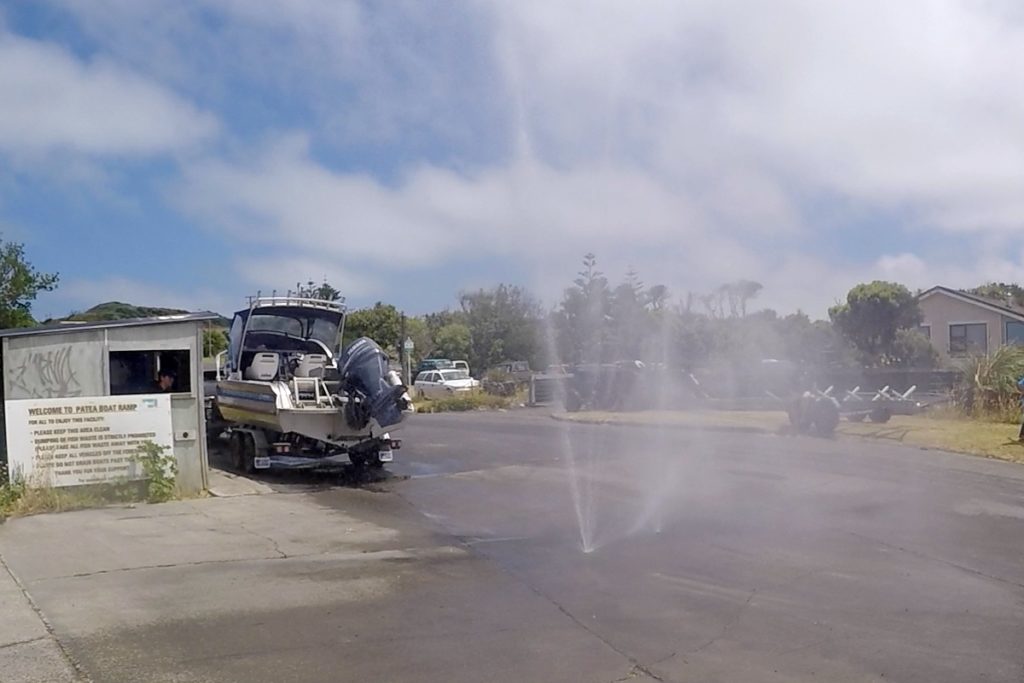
x,y
1014,332
968,338
926,330
137,372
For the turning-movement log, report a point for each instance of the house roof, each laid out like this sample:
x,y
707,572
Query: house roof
x,y
74,326
1009,310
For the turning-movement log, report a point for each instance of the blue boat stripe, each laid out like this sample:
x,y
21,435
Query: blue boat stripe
x,y
246,395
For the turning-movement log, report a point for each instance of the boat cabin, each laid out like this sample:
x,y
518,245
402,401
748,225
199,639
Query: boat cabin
x,y
285,337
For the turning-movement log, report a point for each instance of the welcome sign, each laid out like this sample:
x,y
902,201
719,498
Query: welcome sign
x,y
74,441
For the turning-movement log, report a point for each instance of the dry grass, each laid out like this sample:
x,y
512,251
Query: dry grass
x,y
18,500
941,432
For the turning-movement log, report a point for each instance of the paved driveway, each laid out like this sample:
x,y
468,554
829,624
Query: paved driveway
x,y
515,548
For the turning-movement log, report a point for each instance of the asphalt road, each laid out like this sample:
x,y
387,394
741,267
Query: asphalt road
x,y
513,548
726,557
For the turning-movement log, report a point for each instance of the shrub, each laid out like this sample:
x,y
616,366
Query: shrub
x,y
161,470
988,384
11,490
461,403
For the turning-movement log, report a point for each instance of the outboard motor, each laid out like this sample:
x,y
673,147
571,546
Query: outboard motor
x,y
366,375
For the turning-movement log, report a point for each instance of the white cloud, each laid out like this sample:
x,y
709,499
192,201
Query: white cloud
x,y
55,102
688,140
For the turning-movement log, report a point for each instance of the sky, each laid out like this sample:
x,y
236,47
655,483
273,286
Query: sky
x,y
188,153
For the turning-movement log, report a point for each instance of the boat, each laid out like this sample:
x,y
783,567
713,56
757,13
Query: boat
x,y
290,396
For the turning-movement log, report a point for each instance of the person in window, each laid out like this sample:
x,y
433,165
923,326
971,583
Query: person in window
x,y
164,382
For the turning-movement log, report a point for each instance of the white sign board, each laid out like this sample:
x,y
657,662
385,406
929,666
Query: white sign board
x,y
74,441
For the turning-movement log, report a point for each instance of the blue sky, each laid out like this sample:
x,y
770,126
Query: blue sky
x,y
189,153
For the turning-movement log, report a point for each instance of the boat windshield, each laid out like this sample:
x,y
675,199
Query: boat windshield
x,y
318,327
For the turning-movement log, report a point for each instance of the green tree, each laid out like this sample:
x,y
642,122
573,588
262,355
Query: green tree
x,y
324,291
503,325
20,283
911,349
872,316
215,340
1008,293
582,320
382,323
453,341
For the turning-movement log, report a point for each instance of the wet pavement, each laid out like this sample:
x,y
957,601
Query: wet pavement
x,y
742,557
510,547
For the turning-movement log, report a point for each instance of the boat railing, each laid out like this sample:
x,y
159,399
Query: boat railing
x,y
293,301
314,387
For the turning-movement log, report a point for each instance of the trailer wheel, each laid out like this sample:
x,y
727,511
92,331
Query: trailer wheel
x,y
799,415
249,454
880,415
826,417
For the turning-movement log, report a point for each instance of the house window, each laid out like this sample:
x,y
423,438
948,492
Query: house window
x,y
968,338
926,330
136,372
1014,332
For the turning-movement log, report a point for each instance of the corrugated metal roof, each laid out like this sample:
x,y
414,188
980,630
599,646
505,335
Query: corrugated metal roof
x,y
75,326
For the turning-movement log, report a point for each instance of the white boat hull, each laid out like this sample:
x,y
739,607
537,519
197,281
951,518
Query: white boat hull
x,y
270,405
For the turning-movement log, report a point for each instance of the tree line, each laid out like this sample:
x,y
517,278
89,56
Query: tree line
x,y
599,322
877,324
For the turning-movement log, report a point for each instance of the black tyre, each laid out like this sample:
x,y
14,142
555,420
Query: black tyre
x,y
826,417
237,451
800,415
248,453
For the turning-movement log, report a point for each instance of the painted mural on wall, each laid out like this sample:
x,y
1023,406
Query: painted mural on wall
x,y
53,371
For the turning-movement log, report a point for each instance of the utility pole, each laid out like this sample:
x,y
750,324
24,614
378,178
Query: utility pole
x,y
403,354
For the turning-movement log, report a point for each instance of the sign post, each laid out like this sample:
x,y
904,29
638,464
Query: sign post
x,y
408,347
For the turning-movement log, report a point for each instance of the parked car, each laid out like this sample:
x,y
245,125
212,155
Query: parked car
x,y
444,383
518,370
432,364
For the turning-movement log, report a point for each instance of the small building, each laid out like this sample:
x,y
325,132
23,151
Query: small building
x,y
80,398
961,324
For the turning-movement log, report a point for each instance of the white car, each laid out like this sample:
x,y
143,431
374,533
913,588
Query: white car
x,y
444,383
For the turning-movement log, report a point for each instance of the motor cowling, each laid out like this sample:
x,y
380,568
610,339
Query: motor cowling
x,y
375,391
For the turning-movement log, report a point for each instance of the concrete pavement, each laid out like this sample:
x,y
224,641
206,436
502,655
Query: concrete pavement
x,y
712,557
28,651
340,586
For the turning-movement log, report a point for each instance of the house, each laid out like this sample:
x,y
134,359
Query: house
x,y
960,324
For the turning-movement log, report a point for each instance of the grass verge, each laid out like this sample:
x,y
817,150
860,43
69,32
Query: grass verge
x,y
462,403
942,432
18,499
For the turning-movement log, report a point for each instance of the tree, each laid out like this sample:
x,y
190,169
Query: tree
x,y
19,285
453,341
911,349
872,316
582,319
503,325
323,291
1008,293
214,341
382,323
